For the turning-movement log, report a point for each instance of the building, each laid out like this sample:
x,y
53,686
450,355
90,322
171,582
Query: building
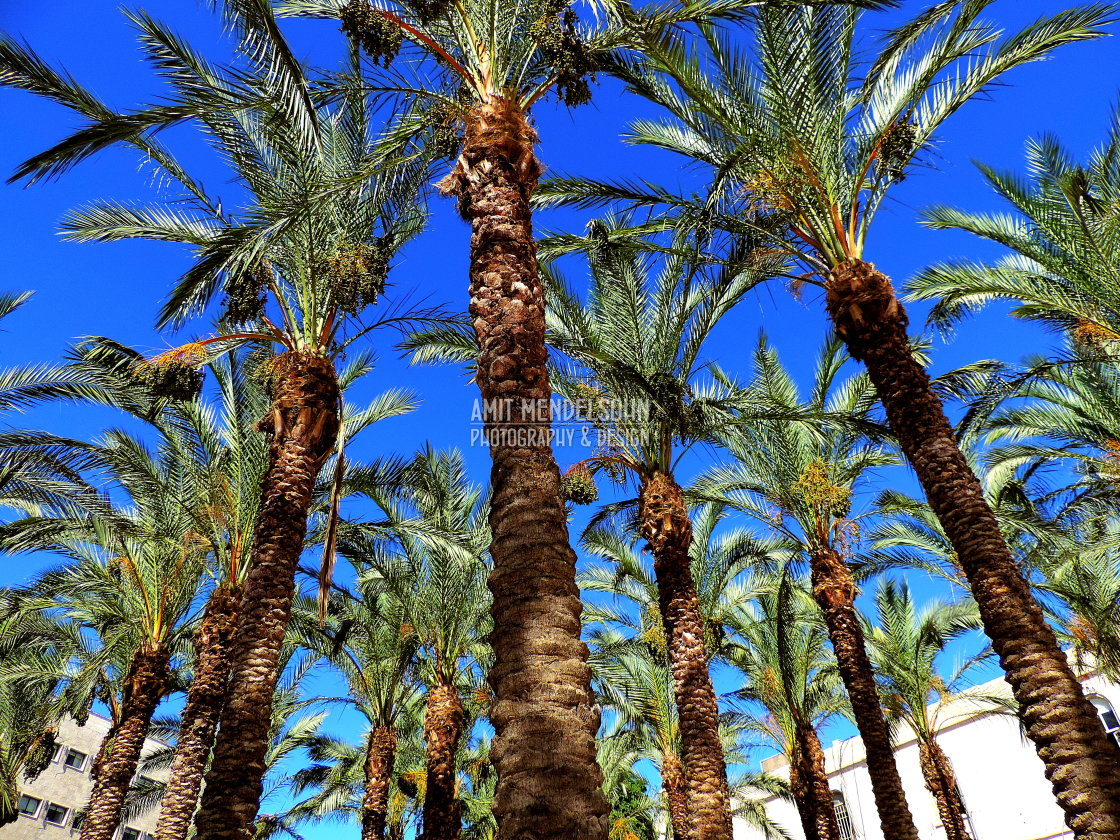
x,y
47,805
1000,777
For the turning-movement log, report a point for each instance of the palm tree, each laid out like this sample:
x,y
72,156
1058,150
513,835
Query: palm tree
x,y
133,579
1065,258
36,653
369,642
812,138
489,64
904,646
637,340
779,647
797,478
440,585
633,680
299,264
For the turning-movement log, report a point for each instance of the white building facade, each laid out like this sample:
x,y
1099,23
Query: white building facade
x,y
47,805
1000,778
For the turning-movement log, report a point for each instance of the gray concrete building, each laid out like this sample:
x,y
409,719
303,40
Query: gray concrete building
x,y
48,804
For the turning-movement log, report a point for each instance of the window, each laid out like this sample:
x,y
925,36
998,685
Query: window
x,y
75,760
58,751
29,806
1108,717
130,834
57,814
843,818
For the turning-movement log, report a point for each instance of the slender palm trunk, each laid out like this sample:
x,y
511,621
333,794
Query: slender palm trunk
x,y
303,423
381,755
941,781
144,687
834,590
205,700
549,786
443,727
675,785
665,525
809,784
1082,765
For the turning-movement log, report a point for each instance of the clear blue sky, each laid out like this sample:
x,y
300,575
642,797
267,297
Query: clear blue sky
x,y
115,290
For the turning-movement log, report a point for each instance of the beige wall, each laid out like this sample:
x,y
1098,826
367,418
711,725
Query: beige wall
x,y
70,787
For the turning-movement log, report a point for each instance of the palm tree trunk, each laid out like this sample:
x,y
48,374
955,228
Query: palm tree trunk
x,y
549,786
304,424
443,727
665,525
834,590
809,783
144,687
941,781
675,785
381,754
1083,766
205,700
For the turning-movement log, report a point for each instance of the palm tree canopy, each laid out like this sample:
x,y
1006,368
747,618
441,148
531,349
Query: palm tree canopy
x,y
1062,231
803,139
323,211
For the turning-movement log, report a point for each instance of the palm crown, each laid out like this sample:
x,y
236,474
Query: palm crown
x,y
1065,242
324,213
807,138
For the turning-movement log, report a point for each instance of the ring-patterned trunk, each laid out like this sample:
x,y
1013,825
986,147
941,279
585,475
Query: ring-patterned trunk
x,y
941,781
809,785
664,524
1083,766
443,727
381,755
676,794
303,424
834,590
203,709
144,686
549,786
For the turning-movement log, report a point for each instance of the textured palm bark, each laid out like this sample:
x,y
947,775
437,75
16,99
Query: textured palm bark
x,y
144,686
941,781
381,755
674,784
809,785
205,700
664,523
1083,766
549,786
834,590
303,424
443,727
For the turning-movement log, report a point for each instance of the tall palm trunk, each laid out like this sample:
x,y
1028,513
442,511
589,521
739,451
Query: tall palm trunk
x,y
941,781
304,424
203,709
675,785
809,785
443,727
665,525
834,590
381,755
1081,763
549,786
144,687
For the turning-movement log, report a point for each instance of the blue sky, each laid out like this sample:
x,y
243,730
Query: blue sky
x,y
115,290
